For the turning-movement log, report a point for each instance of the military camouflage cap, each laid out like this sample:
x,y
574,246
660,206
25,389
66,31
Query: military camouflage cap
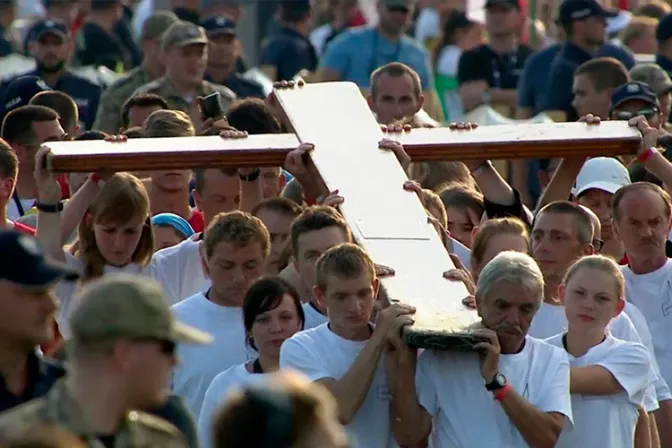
x,y
122,306
183,33
654,76
157,24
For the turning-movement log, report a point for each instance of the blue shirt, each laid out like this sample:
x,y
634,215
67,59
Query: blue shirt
x,y
535,81
6,47
85,93
244,88
42,374
357,52
289,52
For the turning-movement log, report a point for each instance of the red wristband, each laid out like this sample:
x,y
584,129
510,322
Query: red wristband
x,y
96,179
503,392
643,157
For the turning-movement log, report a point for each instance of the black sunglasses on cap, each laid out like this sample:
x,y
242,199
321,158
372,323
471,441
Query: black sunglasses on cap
x,y
648,113
401,9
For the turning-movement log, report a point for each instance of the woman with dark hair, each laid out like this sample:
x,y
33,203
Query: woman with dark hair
x,y
272,313
460,33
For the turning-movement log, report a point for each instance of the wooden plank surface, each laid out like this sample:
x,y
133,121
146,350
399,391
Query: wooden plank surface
x,y
170,153
389,222
609,138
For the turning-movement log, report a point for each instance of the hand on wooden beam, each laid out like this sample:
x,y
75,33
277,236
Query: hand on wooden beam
x,y
398,150
48,188
590,119
232,134
463,126
650,135
332,200
118,138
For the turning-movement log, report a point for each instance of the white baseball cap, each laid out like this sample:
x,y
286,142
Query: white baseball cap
x,y
601,173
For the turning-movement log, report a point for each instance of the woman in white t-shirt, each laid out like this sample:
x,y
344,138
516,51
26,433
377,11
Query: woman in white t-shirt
x,y
114,235
272,313
609,376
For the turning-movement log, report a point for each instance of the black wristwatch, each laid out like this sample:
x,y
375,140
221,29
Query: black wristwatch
x,y
49,208
254,175
498,382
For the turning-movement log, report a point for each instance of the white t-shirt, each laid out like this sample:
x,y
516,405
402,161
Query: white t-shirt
x,y
224,383
427,25
608,421
450,387
313,317
652,295
178,269
551,320
319,353
67,292
199,364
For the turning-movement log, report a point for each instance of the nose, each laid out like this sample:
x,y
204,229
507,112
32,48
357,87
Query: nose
x,y
238,275
275,326
118,241
513,317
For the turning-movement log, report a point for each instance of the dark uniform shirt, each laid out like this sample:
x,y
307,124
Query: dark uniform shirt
x,y
242,87
6,47
85,93
42,374
664,63
108,116
59,408
500,71
188,15
289,52
95,46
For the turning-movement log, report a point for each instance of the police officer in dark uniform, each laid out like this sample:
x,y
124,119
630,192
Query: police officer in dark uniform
x,y
584,22
221,32
49,42
7,15
664,38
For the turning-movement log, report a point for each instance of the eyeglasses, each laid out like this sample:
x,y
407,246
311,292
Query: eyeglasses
x,y
597,244
648,113
168,347
401,9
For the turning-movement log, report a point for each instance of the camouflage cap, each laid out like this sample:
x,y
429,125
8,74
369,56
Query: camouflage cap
x,y
654,76
122,306
157,24
183,33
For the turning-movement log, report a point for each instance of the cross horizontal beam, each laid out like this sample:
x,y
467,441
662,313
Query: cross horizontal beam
x,y
176,153
533,141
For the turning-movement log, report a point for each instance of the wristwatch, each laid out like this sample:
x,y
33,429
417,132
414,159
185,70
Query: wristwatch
x,y
49,208
497,383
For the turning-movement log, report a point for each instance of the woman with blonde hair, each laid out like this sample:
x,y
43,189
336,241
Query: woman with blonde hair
x,y
609,377
115,233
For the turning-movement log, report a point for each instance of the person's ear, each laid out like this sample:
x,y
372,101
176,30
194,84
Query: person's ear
x,y
474,233
620,307
319,295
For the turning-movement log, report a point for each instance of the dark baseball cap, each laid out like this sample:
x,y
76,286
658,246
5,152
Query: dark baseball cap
x,y
21,90
48,26
633,90
573,10
24,263
513,4
664,29
219,25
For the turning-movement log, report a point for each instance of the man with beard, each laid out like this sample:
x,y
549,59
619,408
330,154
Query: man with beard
x,y
49,44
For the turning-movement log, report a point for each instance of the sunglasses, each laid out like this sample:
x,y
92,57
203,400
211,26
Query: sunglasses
x,y
648,113
167,347
597,244
401,9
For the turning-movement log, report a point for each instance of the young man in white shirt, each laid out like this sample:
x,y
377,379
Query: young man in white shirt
x,y
642,222
512,391
235,249
313,232
345,354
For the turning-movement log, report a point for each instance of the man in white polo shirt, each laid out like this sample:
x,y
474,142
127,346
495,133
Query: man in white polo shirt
x,y
512,391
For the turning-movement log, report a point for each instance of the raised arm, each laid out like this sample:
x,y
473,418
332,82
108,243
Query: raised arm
x,y
593,380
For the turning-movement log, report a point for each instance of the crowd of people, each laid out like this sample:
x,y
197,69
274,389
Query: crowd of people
x,y
229,307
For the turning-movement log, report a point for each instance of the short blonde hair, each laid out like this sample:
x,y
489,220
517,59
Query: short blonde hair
x,y
346,261
600,263
493,227
168,123
636,28
238,228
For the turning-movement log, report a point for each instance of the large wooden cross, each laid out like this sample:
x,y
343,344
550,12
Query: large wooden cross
x,y
389,222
